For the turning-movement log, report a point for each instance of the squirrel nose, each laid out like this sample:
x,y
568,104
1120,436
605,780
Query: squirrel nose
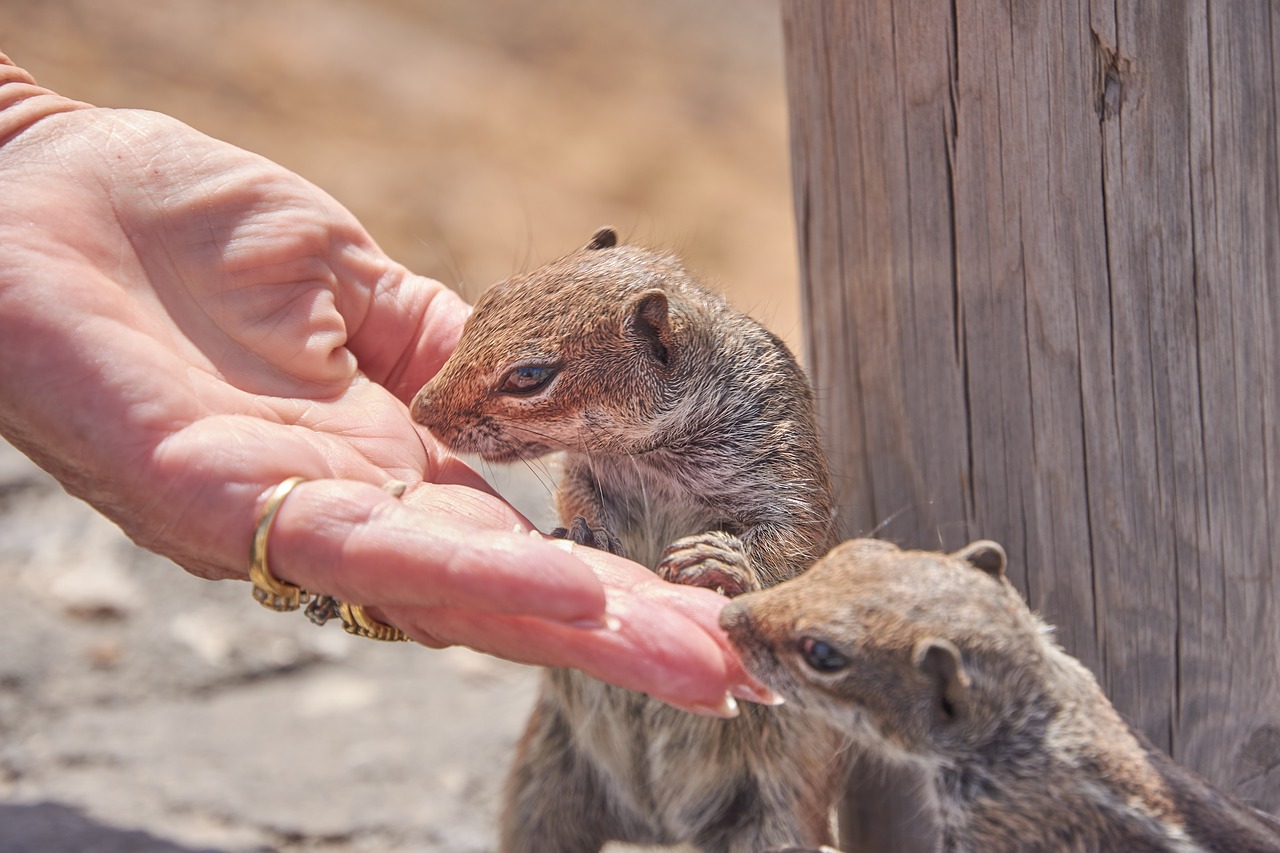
x,y
736,620
422,407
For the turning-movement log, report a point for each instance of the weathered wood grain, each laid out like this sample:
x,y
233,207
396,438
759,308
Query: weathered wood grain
x,y
1039,246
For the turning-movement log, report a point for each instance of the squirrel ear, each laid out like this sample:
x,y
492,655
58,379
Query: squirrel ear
x,y
604,238
985,555
939,660
650,322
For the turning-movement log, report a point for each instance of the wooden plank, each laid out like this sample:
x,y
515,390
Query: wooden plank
x,y
1038,245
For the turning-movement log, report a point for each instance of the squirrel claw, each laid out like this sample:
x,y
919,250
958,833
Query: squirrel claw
x,y
715,560
582,533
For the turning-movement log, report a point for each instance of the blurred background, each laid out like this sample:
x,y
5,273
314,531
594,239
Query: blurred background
x,y
144,710
474,139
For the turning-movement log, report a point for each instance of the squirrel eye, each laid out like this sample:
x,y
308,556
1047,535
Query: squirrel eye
x,y
526,378
821,655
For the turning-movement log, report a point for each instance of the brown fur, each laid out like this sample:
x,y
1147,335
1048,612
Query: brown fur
x,y
935,659
690,447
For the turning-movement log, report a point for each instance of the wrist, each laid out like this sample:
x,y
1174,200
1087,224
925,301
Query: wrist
x,y
23,102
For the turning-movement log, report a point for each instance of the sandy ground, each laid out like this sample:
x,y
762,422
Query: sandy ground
x,y
144,710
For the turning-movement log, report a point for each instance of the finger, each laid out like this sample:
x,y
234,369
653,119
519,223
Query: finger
x,y
652,649
23,103
404,326
700,606
360,544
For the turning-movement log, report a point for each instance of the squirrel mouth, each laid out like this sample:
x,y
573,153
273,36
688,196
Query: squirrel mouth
x,y
505,452
493,443
753,647
504,455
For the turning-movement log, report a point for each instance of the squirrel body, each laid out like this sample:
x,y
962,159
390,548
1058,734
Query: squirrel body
x,y
691,447
935,659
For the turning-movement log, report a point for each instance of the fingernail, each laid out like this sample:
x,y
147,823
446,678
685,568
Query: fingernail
x,y
727,709
759,694
562,544
607,622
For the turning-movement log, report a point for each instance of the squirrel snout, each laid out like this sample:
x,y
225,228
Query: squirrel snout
x,y
434,408
736,621
422,408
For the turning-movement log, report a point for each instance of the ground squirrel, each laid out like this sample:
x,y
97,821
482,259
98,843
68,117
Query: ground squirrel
x,y
936,659
691,447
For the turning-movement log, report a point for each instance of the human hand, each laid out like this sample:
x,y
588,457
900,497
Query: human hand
x,y
184,324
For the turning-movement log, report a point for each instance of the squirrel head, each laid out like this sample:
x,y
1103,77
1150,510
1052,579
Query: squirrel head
x,y
580,355
919,654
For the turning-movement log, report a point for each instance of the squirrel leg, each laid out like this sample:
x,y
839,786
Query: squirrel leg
x,y
758,822
580,506
555,800
715,560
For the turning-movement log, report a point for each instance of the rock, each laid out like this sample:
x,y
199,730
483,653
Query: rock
x,y
95,590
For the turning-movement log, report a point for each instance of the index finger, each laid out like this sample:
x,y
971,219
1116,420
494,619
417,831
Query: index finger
x,y
647,648
697,605
401,327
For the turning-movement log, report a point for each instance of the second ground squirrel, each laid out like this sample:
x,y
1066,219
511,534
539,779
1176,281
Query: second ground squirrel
x,y
935,659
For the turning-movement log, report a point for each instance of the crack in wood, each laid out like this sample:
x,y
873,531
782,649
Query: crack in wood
x,y
1114,77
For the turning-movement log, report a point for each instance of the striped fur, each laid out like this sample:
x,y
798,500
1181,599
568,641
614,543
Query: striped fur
x,y
689,435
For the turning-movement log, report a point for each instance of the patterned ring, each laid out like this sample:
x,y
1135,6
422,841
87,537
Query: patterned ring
x,y
356,621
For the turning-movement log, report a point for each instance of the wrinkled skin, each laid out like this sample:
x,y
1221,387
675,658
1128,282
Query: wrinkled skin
x,y
184,324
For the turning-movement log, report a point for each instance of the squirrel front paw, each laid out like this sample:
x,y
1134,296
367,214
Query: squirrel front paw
x,y
715,560
582,533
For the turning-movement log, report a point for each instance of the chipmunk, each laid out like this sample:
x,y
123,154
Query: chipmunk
x,y
691,447
936,659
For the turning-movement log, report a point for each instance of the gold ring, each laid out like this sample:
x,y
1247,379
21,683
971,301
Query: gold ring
x,y
356,621
268,590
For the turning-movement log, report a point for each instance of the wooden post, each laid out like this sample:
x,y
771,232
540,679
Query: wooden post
x,y
1040,250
